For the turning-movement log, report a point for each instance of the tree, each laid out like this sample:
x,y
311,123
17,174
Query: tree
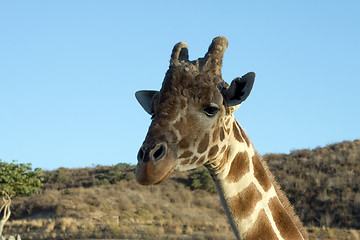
x,y
202,179
16,179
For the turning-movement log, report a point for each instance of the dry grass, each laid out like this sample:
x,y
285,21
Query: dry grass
x,y
71,228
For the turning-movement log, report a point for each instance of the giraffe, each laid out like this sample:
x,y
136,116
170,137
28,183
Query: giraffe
x,y
193,125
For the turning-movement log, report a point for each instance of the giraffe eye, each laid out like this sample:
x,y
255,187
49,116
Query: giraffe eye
x,y
211,110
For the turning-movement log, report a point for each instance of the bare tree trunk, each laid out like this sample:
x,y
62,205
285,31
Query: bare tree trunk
x,y
5,210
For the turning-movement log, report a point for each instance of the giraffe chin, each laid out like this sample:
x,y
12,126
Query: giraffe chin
x,y
150,173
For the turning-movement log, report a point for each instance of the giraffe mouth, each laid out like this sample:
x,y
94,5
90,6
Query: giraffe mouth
x,y
153,172
165,177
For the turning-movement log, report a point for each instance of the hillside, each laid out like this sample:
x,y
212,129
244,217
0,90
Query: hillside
x,y
106,201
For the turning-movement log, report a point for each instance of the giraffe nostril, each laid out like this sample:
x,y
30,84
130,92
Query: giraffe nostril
x,y
140,155
159,153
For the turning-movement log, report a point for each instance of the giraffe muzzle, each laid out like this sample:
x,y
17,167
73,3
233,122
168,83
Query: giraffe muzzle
x,y
156,153
154,164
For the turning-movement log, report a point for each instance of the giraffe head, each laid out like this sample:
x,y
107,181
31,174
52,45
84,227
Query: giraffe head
x,y
189,113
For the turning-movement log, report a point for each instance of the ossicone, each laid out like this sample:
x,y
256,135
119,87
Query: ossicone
x,y
179,53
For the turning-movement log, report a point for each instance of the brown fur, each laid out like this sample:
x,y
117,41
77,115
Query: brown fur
x,y
222,134
239,166
183,144
284,200
194,159
186,154
282,197
237,133
244,135
204,143
260,173
213,151
283,222
243,204
201,161
261,230
185,162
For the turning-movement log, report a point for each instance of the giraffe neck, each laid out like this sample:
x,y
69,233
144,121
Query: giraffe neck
x,y
255,206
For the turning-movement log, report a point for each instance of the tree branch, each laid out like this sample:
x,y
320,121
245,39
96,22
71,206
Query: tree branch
x,y
5,210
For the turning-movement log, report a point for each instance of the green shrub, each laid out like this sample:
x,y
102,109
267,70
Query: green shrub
x,y
202,180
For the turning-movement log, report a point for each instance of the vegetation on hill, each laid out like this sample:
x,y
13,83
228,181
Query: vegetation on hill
x,y
323,184
15,179
106,201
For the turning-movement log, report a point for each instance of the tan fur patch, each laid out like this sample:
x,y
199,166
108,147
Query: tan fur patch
x,y
227,122
228,129
261,230
204,143
183,103
223,149
260,173
237,133
243,204
186,154
216,134
213,151
217,164
239,166
283,221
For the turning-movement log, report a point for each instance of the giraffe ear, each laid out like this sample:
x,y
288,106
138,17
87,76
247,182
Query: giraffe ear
x,y
239,89
145,97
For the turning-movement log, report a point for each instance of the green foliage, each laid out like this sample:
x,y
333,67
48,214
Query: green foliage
x,y
202,180
114,174
19,178
88,177
62,177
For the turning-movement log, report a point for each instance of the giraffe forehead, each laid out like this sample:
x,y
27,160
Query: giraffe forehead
x,y
185,80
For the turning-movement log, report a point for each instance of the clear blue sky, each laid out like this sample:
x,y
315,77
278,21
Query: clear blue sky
x,y
69,71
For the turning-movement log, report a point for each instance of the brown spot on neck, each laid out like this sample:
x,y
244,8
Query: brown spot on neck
x,y
201,161
283,221
239,166
204,143
260,173
261,229
184,144
244,136
194,159
185,162
236,130
222,134
243,204
186,154
213,151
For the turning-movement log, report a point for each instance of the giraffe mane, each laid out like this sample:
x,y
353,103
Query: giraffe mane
x,y
282,197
